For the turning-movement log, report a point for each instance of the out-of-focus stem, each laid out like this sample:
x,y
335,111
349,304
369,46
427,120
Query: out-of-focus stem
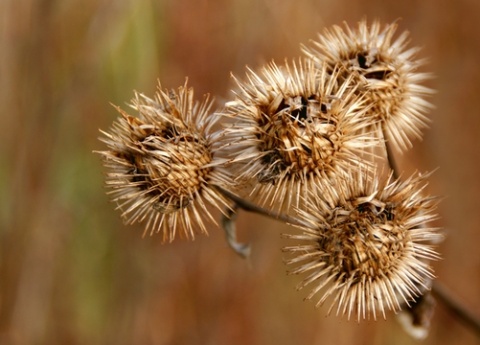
x,y
442,294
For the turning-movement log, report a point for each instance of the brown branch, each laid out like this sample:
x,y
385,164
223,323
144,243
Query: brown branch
x,y
438,290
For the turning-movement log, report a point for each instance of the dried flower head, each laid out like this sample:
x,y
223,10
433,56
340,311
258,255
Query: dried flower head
x,y
294,128
162,164
386,71
369,246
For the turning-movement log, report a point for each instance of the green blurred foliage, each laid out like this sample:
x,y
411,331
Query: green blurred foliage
x,y
72,273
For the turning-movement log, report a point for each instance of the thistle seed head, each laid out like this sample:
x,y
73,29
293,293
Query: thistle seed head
x,y
368,247
386,71
161,165
294,127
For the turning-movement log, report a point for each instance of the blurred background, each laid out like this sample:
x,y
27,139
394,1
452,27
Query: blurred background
x,y
72,273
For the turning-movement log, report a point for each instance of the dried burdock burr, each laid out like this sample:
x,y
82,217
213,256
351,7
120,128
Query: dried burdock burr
x,y
369,244
162,164
294,127
386,70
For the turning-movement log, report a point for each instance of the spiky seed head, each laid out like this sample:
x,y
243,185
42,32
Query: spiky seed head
x,y
368,248
294,127
386,71
161,165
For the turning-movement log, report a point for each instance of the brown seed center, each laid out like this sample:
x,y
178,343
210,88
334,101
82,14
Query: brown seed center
x,y
298,135
365,241
171,169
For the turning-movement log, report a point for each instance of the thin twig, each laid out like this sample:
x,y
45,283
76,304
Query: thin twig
x,y
250,207
390,157
438,290
228,225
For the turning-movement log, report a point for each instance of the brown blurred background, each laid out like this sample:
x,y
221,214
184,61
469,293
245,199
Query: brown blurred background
x,y
72,273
